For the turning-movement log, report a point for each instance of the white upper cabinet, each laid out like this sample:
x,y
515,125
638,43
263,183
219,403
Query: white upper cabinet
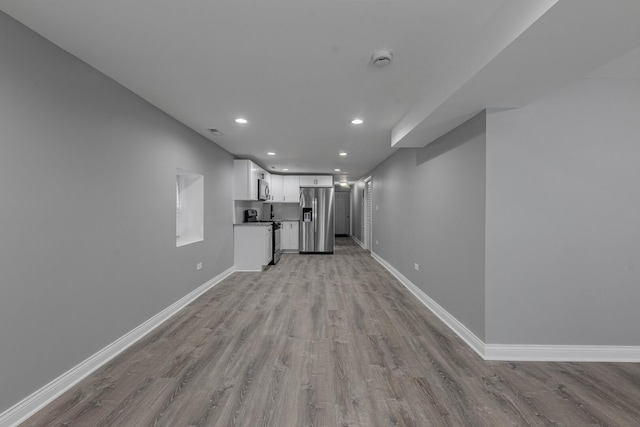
x,y
277,188
245,180
291,185
285,188
282,188
316,181
325,181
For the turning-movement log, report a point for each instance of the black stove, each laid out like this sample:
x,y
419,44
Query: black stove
x,y
276,224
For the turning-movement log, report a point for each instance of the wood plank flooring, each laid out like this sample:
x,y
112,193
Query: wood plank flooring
x,y
332,340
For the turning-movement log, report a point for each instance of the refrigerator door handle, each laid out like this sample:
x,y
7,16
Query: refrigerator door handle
x,y
315,219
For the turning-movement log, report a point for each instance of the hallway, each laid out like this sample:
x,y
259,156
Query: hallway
x,y
331,340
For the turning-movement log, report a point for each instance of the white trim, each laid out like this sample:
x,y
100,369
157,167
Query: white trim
x,y
518,352
562,353
368,214
40,398
351,194
355,239
454,324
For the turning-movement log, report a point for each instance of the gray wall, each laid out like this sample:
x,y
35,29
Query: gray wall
x,y
88,211
563,217
539,245
429,208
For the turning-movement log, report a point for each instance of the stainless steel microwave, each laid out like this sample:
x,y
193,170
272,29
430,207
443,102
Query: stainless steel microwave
x,y
263,189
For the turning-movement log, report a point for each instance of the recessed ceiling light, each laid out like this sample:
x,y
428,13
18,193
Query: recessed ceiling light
x,y
357,121
337,170
381,57
285,169
242,121
343,153
271,153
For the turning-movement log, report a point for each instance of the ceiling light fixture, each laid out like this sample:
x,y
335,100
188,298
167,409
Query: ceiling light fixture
x,y
271,153
242,121
337,170
357,121
343,153
381,57
285,169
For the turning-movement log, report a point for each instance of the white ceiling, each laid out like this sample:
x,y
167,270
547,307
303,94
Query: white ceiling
x,y
299,70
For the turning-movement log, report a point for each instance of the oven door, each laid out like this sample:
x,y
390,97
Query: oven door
x,y
276,245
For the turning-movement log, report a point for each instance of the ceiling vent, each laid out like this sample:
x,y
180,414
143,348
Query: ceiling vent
x,y
380,58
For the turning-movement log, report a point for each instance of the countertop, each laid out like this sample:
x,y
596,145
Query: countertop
x,y
259,224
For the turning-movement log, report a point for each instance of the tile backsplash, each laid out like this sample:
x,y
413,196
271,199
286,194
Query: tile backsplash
x,y
290,211
239,206
286,211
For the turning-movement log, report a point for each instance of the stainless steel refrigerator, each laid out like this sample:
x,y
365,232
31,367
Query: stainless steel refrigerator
x,y
316,220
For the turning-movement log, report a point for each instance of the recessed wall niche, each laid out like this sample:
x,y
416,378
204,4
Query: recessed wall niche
x,y
189,207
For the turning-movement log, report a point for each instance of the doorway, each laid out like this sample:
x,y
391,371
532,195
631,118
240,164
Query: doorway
x,y
368,195
342,223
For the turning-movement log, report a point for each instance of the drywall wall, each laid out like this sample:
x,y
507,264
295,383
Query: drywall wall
x,y
428,208
563,214
88,248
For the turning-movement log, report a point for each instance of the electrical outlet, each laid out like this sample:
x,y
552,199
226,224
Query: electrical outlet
x,y
416,266
199,266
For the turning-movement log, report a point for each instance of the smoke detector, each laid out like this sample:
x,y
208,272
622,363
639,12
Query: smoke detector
x,y
381,57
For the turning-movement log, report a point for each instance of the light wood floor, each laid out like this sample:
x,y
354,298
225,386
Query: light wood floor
x,y
322,340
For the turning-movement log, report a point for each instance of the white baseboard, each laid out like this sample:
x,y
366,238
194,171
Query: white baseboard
x,y
521,352
355,239
562,353
518,352
39,399
465,334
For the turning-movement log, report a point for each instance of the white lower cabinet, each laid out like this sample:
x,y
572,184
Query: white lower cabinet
x,y
289,236
252,246
268,246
